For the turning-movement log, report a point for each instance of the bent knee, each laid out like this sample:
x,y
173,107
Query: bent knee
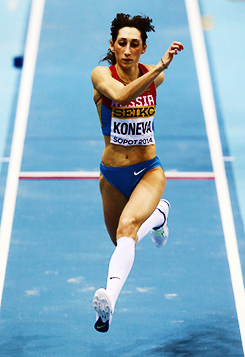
x,y
128,227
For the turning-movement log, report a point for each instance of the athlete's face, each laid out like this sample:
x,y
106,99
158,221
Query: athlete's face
x,y
128,47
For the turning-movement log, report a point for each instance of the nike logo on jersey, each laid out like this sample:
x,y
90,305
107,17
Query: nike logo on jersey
x,y
114,277
137,173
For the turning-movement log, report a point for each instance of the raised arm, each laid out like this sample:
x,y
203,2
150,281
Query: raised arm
x,y
113,89
167,59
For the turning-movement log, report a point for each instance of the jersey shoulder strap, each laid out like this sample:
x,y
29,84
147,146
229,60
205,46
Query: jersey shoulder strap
x,y
114,72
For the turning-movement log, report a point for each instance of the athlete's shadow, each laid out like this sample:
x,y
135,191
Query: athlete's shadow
x,y
206,342
195,341
26,345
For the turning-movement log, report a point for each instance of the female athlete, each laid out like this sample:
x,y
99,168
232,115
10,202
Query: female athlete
x,y
132,179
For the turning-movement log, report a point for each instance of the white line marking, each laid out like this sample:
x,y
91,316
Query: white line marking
x,y
22,112
4,159
59,175
206,91
178,175
89,175
228,158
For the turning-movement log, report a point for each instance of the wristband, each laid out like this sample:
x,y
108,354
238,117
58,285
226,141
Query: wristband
x,y
164,64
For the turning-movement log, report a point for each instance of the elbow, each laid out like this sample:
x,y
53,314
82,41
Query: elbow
x,y
122,100
123,96
124,103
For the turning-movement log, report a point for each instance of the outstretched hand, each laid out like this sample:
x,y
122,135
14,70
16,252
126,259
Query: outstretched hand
x,y
173,50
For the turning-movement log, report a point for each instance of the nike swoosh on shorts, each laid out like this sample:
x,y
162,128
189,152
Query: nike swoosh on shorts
x,y
137,173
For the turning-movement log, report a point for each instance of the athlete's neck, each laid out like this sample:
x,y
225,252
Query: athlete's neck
x,y
129,75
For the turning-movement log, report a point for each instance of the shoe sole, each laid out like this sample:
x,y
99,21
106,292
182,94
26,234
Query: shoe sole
x,y
162,241
102,305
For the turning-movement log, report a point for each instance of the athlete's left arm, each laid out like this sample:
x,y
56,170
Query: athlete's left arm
x,y
167,59
158,81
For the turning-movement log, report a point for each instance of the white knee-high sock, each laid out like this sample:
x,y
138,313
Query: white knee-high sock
x,y
119,268
155,220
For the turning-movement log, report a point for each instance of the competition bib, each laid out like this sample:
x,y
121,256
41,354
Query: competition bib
x,y
132,125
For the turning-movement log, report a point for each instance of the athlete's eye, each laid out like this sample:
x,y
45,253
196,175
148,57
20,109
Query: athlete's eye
x,y
135,44
122,43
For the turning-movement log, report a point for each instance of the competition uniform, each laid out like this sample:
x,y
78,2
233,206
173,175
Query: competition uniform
x,y
128,125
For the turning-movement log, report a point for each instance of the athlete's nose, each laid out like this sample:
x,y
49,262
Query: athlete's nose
x,y
127,51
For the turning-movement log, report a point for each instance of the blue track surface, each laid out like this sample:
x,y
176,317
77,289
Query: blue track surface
x,y
177,301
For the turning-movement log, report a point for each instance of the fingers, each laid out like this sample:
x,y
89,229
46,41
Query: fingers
x,y
175,47
169,55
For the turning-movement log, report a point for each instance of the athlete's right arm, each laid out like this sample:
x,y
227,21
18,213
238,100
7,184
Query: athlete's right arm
x,y
108,86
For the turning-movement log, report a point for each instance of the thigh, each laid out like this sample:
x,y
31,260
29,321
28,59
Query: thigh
x,y
142,202
113,204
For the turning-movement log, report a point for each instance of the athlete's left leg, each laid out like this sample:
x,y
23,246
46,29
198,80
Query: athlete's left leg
x,y
156,224
139,208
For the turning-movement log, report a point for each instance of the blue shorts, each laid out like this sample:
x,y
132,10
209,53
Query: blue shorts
x,y
126,178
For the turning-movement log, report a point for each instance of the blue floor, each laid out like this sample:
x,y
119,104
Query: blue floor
x,y
56,262
177,301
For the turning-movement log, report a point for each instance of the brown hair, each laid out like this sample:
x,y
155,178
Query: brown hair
x,y
142,23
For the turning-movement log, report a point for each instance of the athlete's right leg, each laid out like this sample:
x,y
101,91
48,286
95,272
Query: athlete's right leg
x,y
122,259
113,203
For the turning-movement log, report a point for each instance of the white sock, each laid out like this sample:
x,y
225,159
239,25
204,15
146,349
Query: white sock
x,y
155,220
119,268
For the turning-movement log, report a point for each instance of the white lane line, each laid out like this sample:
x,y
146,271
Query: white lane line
x,y
22,112
90,175
36,175
206,91
4,159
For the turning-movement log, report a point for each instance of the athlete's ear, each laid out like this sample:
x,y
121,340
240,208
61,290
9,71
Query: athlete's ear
x,y
144,48
112,46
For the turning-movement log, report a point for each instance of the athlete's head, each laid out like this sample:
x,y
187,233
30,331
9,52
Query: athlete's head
x,y
141,23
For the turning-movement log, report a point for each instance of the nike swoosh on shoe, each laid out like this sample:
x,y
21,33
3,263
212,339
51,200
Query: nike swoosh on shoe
x,y
101,326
